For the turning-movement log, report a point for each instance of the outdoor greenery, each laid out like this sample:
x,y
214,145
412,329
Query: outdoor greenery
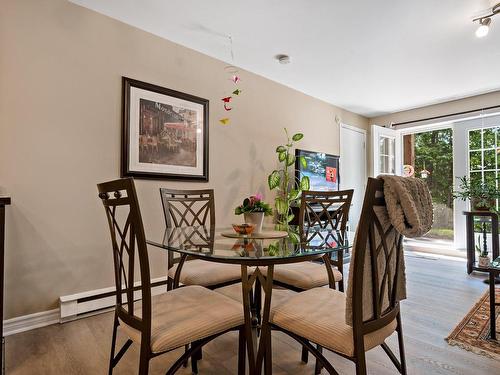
x,y
434,152
284,180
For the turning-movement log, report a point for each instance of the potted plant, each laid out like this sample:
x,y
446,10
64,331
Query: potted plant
x,y
482,195
484,259
254,210
283,179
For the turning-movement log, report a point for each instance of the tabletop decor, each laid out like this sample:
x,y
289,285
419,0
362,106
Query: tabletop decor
x,y
482,195
254,209
289,187
165,133
243,228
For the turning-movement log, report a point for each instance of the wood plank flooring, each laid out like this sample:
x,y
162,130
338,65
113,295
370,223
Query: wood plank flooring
x,y
440,293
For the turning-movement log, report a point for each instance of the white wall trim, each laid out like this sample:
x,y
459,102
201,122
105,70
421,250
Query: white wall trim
x,y
71,308
29,322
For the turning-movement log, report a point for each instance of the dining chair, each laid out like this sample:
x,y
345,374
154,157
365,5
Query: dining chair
x,y
195,208
318,210
349,324
193,315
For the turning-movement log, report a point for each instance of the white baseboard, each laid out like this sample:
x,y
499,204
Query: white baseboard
x,y
29,322
78,305
71,308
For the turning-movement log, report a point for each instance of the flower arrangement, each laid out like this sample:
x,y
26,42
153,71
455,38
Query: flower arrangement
x,y
254,203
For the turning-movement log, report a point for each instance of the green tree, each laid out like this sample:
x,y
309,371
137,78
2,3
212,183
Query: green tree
x,y
434,152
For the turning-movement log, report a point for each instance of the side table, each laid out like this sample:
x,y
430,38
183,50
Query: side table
x,y
471,252
4,201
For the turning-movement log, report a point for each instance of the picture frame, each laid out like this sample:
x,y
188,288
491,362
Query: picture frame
x,y
164,133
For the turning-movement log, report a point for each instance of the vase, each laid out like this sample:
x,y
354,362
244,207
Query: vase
x,y
255,218
484,261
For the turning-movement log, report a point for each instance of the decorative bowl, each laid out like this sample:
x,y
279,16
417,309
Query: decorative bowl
x,y
243,228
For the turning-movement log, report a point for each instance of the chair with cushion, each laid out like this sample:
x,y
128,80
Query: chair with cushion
x,y
318,210
353,323
193,315
195,208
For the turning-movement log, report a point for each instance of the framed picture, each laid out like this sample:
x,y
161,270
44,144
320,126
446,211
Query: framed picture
x,y
165,133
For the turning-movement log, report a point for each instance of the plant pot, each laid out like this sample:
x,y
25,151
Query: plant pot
x,y
477,207
255,218
484,261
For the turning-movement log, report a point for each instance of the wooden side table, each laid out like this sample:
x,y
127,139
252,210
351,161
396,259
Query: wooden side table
x,y
4,201
493,270
471,252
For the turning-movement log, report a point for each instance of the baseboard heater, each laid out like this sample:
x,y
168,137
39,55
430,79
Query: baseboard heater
x,y
94,302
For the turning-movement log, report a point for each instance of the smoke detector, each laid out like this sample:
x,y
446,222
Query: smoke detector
x,y
282,59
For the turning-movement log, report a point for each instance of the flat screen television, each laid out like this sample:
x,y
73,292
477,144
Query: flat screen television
x,y
322,169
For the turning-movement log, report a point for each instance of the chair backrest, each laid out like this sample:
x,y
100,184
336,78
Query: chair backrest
x,y
129,243
184,208
375,273
324,209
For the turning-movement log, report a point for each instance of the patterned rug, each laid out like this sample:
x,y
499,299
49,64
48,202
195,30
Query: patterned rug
x,y
473,332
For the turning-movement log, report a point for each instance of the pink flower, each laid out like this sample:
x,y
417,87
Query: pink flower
x,y
258,197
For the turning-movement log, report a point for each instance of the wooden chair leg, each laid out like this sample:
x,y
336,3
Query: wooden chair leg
x,y
361,364
144,360
113,344
402,357
242,342
305,355
341,285
185,363
318,366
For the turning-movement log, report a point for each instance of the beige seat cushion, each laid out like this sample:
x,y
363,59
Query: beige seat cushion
x,y
304,275
234,292
184,315
319,316
201,272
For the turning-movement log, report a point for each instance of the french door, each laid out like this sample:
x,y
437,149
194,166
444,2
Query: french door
x,y
386,151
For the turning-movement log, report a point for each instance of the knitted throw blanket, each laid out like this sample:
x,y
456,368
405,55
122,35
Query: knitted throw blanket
x,y
409,204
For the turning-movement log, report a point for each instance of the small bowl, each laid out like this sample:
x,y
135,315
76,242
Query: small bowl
x,y
243,228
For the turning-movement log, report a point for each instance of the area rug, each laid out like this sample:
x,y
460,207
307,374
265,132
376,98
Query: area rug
x,y
473,332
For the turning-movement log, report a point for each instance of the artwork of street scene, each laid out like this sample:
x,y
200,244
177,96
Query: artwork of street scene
x,y
167,134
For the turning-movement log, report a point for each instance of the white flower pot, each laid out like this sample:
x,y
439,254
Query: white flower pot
x,y
255,218
484,261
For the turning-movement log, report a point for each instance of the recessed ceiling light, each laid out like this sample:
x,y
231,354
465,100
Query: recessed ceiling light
x,y
283,59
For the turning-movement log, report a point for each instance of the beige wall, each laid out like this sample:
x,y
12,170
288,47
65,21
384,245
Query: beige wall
x,y
461,105
60,109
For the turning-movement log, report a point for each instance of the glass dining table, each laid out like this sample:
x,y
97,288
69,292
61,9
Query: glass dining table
x,y
257,254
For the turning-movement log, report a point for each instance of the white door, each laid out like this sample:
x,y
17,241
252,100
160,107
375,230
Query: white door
x,y
353,168
476,154
386,149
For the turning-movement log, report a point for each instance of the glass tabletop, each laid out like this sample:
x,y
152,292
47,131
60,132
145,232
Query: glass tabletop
x,y
495,264
211,244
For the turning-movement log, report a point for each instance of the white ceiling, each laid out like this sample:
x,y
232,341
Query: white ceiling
x,y
370,57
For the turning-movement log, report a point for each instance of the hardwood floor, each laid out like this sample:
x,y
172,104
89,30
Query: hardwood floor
x,y
439,295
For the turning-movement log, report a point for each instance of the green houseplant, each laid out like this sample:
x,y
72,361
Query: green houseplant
x,y
283,180
482,253
482,195
254,209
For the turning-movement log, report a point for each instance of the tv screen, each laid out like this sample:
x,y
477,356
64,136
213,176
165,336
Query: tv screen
x,y
322,169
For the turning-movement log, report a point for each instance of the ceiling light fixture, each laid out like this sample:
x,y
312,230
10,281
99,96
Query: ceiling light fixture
x,y
485,21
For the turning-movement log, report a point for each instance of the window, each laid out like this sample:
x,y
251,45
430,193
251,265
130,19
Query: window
x,y
387,163
484,155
